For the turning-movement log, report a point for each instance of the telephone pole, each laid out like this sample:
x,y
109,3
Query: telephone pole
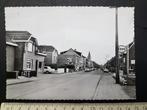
x,y
116,46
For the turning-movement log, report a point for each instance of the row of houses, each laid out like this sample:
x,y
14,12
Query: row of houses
x,y
24,56
126,60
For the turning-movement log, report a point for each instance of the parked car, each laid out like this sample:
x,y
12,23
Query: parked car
x,y
48,69
106,70
87,70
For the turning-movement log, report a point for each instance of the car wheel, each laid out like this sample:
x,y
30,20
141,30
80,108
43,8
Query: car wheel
x,y
47,72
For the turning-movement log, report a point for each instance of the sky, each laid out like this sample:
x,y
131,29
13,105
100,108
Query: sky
x,y
86,29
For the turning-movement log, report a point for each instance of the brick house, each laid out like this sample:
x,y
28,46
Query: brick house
x,y
27,59
52,55
70,59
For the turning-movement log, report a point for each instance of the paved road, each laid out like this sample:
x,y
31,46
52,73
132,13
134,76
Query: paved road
x,y
80,85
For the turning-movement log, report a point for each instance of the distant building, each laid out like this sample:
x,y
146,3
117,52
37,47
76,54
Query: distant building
x,y
71,59
84,62
27,59
52,55
89,61
111,64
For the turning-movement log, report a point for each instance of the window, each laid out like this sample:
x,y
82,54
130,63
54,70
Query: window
x,y
45,67
29,64
30,47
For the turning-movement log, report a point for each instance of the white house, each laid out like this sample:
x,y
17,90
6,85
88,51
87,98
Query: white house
x,y
52,55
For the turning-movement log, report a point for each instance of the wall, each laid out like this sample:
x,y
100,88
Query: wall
x,y
75,60
19,56
10,55
40,59
32,57
132,57
48,59
54,57
29,57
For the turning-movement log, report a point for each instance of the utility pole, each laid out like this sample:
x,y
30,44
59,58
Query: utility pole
x,y
116,46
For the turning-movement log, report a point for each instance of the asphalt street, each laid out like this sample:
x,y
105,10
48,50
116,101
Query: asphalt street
x,y
79,85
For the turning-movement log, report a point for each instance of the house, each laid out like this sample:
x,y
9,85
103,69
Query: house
x,y
28,61
52,55
71,59
129,59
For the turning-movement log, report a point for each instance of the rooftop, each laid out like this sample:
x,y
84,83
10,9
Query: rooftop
x,y
79,53
17,35
47,48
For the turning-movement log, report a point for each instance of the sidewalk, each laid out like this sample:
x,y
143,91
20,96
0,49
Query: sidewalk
x,y
23,79
108,89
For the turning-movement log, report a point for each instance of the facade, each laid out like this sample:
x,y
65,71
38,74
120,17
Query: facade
x,y
52,55
40,62
132,57
129,59
27,58
71,59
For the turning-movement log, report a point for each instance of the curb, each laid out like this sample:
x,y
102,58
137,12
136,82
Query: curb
x,y
20,82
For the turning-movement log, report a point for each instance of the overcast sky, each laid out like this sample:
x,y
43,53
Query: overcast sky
x,y
82,28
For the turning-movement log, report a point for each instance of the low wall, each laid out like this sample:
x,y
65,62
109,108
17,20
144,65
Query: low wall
x,y
13,74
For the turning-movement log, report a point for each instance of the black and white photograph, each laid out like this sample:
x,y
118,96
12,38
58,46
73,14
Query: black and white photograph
x,y
70,53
